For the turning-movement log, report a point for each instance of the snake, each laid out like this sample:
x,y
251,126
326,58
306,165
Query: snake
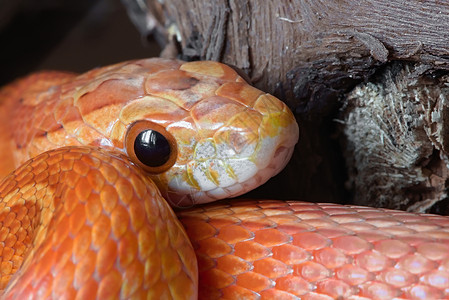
x,y
118,185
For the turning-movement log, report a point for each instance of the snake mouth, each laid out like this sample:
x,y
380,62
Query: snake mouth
x,y
279,160
219,176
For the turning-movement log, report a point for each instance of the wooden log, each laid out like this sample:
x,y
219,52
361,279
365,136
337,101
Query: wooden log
x,y
309,53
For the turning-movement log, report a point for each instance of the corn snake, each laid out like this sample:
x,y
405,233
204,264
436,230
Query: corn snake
x,y
79,218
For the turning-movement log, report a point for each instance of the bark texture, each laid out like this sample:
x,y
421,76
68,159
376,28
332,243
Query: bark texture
x,y
310,53
396,139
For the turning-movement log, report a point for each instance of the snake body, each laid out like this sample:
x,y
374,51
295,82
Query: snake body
x,y
84,214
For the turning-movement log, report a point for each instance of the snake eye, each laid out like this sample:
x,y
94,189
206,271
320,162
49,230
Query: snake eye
x,y
151,146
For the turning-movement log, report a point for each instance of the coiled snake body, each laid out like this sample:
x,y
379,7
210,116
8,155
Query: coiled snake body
x,y
92,158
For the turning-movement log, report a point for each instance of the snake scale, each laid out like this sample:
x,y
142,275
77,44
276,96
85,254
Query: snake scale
x,y
94,163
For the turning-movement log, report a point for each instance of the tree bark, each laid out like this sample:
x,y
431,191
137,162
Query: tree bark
x,y
311,54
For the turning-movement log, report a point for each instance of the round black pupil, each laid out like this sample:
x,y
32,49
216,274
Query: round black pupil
x,y
152,148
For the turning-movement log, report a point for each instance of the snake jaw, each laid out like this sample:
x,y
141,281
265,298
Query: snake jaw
x,y
234,162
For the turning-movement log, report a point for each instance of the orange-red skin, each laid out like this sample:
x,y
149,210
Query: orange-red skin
x,y
270,249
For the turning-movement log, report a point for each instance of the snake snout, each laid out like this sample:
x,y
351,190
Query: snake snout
x,y
250,148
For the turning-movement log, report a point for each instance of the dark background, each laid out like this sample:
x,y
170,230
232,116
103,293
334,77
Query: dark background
x,y
66,35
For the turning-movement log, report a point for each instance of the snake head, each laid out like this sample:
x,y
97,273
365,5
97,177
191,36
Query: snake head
x,y
220,137
227,137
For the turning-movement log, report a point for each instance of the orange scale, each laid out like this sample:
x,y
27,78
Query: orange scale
x,y
127,249
254,281
294,228
238,292
81,168
248,213
351,245
379,290
211,68
310,240
62,282
312,271
120,221
335,209
232,264
416,264
294,285
315,296
303,206
100,230
284,219
424,292
271,237
191,215
206,293
274,293
233,233
272,204
95,179
132,279
84,269
331,258
6,267
158,110
353,275
276,211
373,261
444,265
441,234
397,277
89,289
205,262
415,239
251,251
369,213
422,226
271,268
218,212
61,230
337,289
180,87
346,218
215,278
436,278
198,230
213,247
255,223
398,230
433,251
393,248
409,218
291,254
384,222
109,173
108,198
440,220
222,221
109,285
77,219
93,208
239,91
334,232
319,223
81,243
7,253
183,286
373,236
106,258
